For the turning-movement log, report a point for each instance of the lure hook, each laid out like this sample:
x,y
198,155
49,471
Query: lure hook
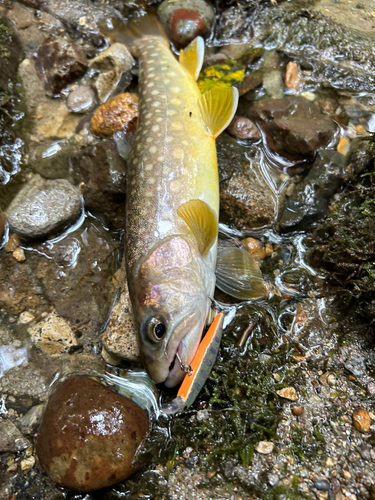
x,y
184,368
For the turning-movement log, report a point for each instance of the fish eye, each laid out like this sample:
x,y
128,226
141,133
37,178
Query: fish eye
x,y
156,330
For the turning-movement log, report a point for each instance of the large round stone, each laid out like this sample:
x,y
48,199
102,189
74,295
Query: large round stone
x,y
44,207
89,435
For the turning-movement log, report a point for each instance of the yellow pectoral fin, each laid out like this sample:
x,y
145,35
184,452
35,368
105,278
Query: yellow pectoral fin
x,y
201,220
191,57
217,107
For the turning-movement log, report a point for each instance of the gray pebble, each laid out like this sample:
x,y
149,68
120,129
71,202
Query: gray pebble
x,y
43,207
321,485
81,100
273,479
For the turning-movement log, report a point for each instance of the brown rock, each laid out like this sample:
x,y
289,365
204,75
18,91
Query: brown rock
x,y
254,247
59,62
361,420
118,112
12,243
297,410
293,76
89,435
294,127
184,20
243,128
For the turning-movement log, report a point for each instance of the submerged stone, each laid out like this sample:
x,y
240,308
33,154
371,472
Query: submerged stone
x,y
245,200
309,200
118,112
89,435
43,207
294,127
81,100
59,62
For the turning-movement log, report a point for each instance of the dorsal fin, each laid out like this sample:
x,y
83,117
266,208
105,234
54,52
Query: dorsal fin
x,y
217,107
238,274
191,57
202,222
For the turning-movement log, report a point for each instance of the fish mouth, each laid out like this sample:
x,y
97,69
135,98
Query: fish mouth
x,y
176,374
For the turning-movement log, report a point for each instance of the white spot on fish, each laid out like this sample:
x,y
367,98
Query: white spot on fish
x,y
149,167
155,128
156,104
155,92
149,194
153,149
175,89
171,112
178,153
159,119
161,158
150,180
176,125
148,115
149,139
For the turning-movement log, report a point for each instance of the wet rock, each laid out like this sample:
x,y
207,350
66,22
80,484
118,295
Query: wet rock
x,y
16,293
119,112
246,200
12,243
322,485
243,128
361,420
184,20
11,438
254,247
117,56
31,420
272,79
81,100
309,200
10,55
19,255
120,336
288,393
2,223
44,207
273,479
32,89
59,62
294,127
103,172
336,53
54,121
364,449
106,83
355,363
50,158
53,335
89,435
343,146
293,77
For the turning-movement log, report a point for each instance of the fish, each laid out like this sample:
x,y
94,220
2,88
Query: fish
x,y
172,203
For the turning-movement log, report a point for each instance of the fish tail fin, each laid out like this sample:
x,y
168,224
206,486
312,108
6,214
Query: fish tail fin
x,y
143,25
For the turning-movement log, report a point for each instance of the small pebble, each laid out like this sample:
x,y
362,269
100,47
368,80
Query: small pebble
x,y
343,146
269,249
361,420
12,243
293,76
25,318
243,128
254,247
322,485
297,410
19,254
115,114
81,100
27,463
264,447
288,393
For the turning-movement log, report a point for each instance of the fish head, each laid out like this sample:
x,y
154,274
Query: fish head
x,y
171,304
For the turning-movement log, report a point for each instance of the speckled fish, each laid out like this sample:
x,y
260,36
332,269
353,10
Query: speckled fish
x,y
172,205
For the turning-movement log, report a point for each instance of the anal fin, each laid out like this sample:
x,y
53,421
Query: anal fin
x,y
202,222
191,57
238,274
217,107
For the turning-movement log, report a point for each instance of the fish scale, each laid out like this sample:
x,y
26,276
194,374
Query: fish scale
x,y
173,159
